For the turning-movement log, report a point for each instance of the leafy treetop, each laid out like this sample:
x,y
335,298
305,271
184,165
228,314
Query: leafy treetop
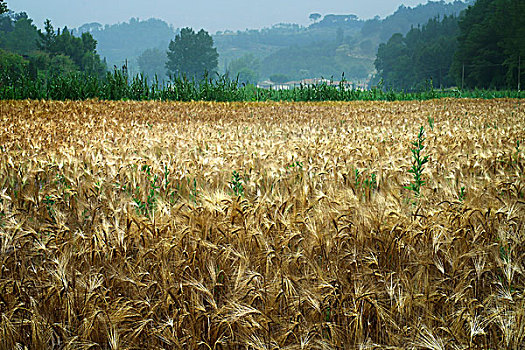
x,y
491,44
192,54
315,16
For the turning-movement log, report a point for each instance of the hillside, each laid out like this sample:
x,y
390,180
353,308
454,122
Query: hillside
x,y
336,44
327,48
126,41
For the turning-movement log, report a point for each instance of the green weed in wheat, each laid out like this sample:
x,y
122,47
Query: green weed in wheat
x,y
418,161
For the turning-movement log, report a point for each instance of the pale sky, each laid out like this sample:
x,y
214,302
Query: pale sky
x,y
208,14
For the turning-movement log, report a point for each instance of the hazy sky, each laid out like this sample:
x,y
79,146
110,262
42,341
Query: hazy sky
x,y
211,15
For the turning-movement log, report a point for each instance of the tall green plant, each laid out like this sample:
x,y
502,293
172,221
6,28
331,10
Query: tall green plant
x,y
236,184
418,161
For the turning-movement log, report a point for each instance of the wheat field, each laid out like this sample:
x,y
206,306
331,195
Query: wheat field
x,y
151,225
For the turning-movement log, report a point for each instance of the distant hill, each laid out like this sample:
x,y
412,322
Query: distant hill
x,y
126,41
326,48
406,17
343,21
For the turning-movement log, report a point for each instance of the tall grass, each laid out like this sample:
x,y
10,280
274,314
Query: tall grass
x,y
118,86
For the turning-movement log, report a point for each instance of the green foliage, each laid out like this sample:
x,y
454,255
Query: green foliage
x,y
52,65
236,184
80,50
49,53
462,193
490,44
404,18
147,205
371,183
297,164
418,161
3,7
424,54
364,185
357,178
13,69
192,54
61,65
118,85
152,62
22,37
247,76
47,38
50,202
244,69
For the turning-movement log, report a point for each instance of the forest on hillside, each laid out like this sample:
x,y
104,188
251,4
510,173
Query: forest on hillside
x,y
26,51
331,45
481,48
328,47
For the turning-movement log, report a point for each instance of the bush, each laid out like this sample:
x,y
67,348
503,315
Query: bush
x,y
13,68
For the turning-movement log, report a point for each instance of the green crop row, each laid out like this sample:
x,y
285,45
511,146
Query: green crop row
x,y
118,86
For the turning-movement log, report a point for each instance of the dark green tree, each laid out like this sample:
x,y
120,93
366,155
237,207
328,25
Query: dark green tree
x,y
48,38
491,44
424,54
23,38
80,50
48,52
393,62
3,7
61,64
514,43
12,67
192,54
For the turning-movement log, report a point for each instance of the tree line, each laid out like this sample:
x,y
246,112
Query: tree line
x,y
27,52
482,48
